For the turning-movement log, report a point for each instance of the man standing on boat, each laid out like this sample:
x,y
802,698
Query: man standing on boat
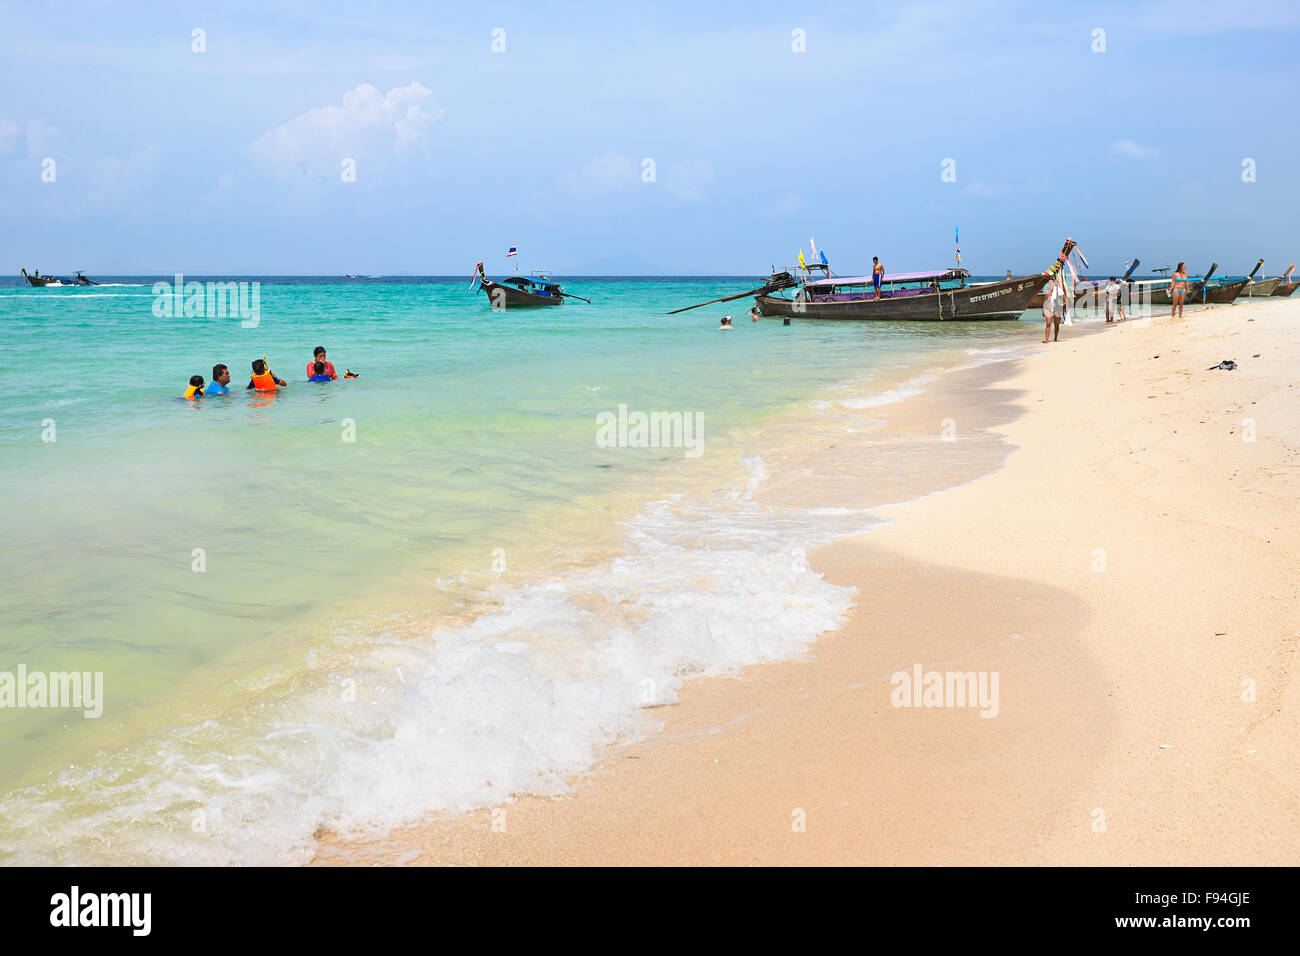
x,y
877,275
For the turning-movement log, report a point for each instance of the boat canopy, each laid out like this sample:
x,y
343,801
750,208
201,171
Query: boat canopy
x,y
525,282
943,275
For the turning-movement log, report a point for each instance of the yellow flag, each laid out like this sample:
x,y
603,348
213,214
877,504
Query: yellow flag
x,y
802,264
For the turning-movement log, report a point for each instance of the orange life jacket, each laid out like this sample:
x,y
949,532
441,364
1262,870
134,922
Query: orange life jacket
x,y
265,382
194,391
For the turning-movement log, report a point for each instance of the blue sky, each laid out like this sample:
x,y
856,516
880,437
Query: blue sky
x,y
232,159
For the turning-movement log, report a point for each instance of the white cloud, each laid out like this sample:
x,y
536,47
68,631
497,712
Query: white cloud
x,y
602,174
370,127
983,190
1126,147
688,182
40,137
614,173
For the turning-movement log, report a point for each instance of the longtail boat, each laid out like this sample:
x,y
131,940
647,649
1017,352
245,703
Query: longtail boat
x,y
1224,291
1163,295
519,292
79,278
1260,288
1287,285
939,295
1092,287
40,280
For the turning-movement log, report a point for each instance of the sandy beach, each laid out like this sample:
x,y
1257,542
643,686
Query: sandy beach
x,y
1129,575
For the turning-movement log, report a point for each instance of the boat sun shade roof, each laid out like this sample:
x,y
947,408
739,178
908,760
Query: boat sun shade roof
x,y
893,277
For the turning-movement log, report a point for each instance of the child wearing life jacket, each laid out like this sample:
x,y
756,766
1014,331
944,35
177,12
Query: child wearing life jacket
x,y
319,374
196,387
262,379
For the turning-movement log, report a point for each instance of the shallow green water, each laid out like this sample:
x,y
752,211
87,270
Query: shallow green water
x,y
474,442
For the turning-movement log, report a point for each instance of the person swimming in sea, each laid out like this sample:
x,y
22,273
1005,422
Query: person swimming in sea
x,y
263,380
319,374
196,387
726,324
317,358
220,379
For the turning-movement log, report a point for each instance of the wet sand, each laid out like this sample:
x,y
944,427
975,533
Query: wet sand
x,y
1130,575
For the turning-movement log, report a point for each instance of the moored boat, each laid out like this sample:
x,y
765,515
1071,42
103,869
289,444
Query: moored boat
x,y
1286,285
1224,291
1261,288
1091,288
1162,290
939,295
517,292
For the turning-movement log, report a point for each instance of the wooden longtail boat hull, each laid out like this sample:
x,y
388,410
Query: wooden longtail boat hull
x,y
996,300
1132,292
41,281
503,296
1225,293
1286,288
1163,295
1256,290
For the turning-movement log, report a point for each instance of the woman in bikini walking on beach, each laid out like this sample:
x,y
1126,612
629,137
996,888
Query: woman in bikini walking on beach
x,y
1178,290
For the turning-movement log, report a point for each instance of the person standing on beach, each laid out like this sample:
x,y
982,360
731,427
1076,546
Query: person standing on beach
x,y
1053,305
1112,298
1178,291
877,275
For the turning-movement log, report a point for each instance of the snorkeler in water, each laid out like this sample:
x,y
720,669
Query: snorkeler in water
x,y
263,380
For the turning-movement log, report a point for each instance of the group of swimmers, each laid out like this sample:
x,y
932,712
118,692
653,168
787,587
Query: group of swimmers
x,y
319,369
753,317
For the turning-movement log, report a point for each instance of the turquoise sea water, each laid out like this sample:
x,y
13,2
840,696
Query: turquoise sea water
x,y
420,590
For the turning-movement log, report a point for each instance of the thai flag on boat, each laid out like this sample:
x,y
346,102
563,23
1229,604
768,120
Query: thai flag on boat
x,y
514,251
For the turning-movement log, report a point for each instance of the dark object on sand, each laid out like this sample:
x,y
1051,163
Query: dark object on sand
x,y
1227,365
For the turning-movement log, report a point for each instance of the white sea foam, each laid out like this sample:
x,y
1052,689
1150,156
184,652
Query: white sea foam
x,y
913,386
530,693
